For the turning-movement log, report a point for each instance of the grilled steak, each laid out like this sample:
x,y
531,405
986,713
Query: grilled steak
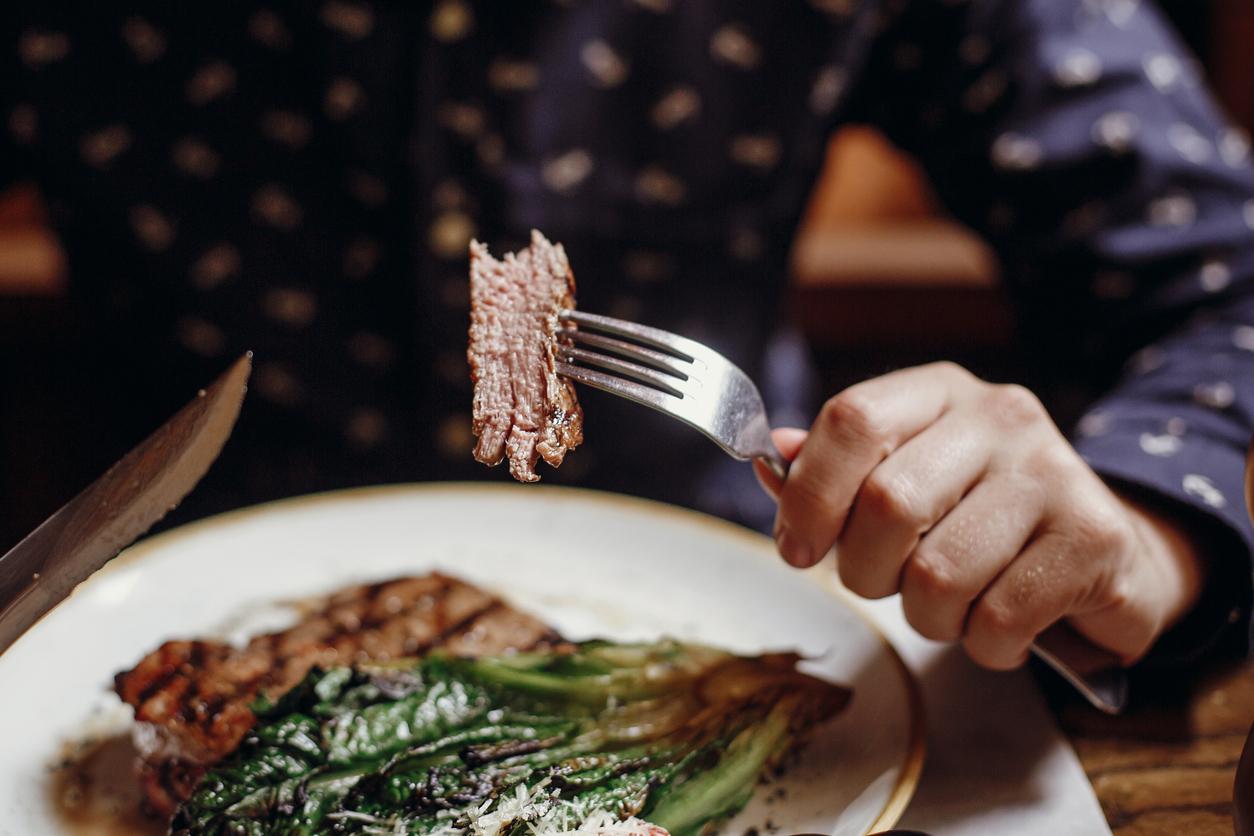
x,y
522,409
192,698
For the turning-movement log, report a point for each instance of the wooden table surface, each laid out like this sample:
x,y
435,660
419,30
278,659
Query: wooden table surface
x,y
1167,765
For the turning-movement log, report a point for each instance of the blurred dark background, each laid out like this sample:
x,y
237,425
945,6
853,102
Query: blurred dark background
x,y
880,279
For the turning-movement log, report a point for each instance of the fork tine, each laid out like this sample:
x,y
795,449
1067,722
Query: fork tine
x,y
644,374
641,394
681,347
644,356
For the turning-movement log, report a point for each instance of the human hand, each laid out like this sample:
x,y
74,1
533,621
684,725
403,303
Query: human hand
x,y
964,497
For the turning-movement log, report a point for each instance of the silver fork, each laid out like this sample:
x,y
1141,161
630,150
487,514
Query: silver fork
x,y
674,375
702,388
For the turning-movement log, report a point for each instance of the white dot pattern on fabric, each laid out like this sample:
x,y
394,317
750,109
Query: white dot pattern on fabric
x,y
1177,209
152,228
192,156
1189,143
450,234
606,65
1078,68
1148,359
1177,426
648,267
834,7
367,427
1197,485
656,185
1163,70
986,91
344,98
215,266
1095,424
454,438
100,148
276,384
1243,337
290,306
465,120
1219,395
733,45
268,29
23,124
286,128
756,151
676,107
210,82
1234,147
1015,152
38,48
507,75
348,19
200,337
361,258
451,20
1160,445
1116,130
1215,276
145,41
829,85
565,172
274,206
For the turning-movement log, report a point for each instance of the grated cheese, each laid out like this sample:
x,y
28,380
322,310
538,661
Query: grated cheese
x,y
535,806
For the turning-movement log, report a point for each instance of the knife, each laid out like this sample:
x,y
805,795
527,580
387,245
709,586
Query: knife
x,y
89,531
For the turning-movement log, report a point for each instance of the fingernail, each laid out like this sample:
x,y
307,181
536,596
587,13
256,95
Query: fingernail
x,y
794,551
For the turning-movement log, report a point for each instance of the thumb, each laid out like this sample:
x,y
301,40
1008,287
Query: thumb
x,y
789,441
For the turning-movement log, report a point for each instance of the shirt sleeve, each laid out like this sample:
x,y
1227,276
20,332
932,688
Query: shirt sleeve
x,y
1079,138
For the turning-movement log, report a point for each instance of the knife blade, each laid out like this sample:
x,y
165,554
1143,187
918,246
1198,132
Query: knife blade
x,y
89,531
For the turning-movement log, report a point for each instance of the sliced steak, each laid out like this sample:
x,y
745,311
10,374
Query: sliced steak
x,y
192,698
523,410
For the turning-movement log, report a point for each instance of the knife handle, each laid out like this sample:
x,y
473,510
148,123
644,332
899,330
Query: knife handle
x,y
1097,674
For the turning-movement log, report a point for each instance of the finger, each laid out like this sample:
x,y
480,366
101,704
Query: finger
x,y
966,551
1044,583
788,441
904,496
854,432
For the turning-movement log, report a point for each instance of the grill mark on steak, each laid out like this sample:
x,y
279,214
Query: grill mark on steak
x,y
192,698
522,410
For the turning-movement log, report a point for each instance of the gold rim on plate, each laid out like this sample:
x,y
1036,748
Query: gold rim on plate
x,y
911,768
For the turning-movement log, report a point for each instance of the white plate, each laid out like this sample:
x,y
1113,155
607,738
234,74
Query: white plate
x,y
590,564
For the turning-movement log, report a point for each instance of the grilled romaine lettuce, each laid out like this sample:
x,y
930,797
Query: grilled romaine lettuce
x,y
579,738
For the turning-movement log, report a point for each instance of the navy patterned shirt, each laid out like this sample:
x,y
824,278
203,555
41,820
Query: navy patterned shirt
x,y
302,179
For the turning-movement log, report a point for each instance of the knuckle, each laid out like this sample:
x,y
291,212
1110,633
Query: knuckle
x,y
1054,461
1011,405
856,412
1100,530
951,369
932,576
996,619
891,498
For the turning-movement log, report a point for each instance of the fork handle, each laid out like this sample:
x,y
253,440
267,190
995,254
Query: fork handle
x,y
776,463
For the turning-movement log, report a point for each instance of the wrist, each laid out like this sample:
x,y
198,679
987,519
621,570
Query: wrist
x,y
1180,569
